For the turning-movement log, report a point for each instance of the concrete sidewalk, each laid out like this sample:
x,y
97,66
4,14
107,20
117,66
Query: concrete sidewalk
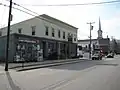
x,y
48,65
42,64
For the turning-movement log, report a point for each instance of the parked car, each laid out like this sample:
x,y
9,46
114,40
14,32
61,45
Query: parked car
x,y
80,55
110,55
96,56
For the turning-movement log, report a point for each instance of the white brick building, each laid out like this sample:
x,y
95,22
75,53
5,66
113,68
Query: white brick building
x,y
53,35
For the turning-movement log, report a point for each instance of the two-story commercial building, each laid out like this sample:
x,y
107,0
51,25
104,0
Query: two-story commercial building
x,y
42,37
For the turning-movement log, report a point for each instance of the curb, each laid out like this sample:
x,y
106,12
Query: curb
x,y
50,65
44,63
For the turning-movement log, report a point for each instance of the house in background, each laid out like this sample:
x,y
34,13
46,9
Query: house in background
x,y
85,44
41,36
99,42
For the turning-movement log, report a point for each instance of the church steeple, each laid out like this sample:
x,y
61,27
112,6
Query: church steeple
x,y
100,31
99,24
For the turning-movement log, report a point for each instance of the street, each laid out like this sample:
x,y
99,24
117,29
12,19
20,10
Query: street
x,y
87,75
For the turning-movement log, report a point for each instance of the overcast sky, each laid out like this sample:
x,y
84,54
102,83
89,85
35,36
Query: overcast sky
x,y
75,15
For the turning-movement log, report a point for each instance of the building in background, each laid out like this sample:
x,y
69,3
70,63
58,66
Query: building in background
x,y
40,38
85,44
100,42
115,46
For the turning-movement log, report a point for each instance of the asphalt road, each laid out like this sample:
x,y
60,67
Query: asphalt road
x,y
88,75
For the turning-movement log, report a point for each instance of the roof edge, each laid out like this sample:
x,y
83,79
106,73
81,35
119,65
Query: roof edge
x,y
45,16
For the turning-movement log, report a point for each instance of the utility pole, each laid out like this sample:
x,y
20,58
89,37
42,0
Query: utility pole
x,y
91,28
8,36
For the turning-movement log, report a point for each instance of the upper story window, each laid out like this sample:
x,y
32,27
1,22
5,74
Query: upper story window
x,y
53,32
75,37
63,35
20,30
59,33
68,35
46,30
33,29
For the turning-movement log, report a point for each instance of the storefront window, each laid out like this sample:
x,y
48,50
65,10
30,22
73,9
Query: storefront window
x,y
18,47
38,47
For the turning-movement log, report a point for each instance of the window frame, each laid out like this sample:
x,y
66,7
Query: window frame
x,y
53,32
63,34
46,30
33,30
59,33
19,30
75,37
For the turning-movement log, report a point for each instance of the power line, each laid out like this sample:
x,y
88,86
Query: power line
x,y
25,12
23,7
93,3
38,17
17,9
31,14
59,4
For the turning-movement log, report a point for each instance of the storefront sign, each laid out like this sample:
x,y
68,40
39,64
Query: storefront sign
x,y
27,41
